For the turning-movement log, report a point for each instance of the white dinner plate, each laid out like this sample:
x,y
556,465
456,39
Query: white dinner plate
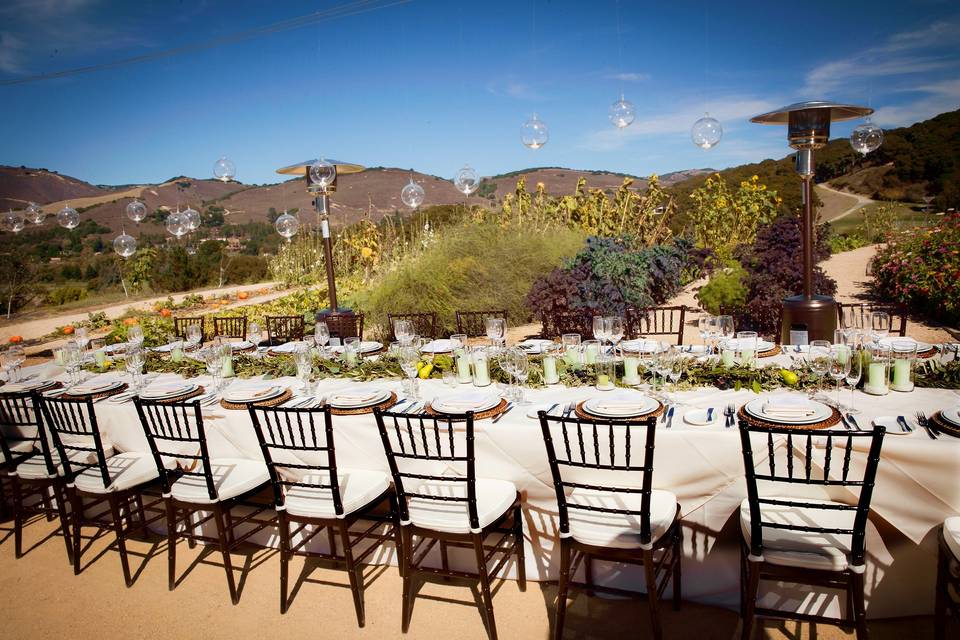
x,y
164,391
289,347
755,409
534,345
762,345
621,404
640,346
698,417
892,426
357,398
366,346
951,415
92,387
475,401
30,385
887,343
444,345
253,394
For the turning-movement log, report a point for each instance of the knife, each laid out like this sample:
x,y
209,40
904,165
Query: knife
x,y
903,424
552,407
853,421
670,417
846,425
665,415
505,412
710,414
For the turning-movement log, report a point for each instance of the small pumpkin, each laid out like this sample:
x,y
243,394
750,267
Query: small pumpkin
x,y
165,313
67,330
16,339
243,295
129,322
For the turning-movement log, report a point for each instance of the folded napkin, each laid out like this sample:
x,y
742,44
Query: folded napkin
x,y
167,388
288,347
467,400
26,386
243,344
240,392
535,345
365,346
640,346
438,346
617,401
93,386
358,396
165,348
789,406
114,348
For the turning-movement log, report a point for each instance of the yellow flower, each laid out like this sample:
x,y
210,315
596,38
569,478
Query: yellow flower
x,y
541,186
366,252
755,178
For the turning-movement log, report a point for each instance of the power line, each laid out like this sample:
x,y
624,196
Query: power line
x,y
340,11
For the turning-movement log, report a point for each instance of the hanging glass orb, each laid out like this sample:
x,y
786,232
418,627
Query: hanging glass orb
x,y
35,214
622,113
534,133
176,224
68,218
706,132
125,245
467,180
136,211
866,137
412,194
224,170
13,221
193,218
286,225
323,173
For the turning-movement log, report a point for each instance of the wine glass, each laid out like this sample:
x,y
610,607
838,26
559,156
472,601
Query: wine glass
x,y
663,365
193,334
82,338
853,317
409,357
403,330
135,359
853,378
496,329
507,364
521,370
615,330
879,325
301,356
135,335
703,327
677,365
722,328
213,358
818,359
839,366
17,357
321,336
600,329
254,333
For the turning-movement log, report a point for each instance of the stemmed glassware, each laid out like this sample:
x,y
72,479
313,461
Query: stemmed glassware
x,y
193,334
72,357
304,363
254,333
879,325
722,329
135,336
600,326
496,330
520,369
703,327
853,377
615,331
409,357
403,330
82,338
663,365
13,357
839,367
818,359
321,336
135,359
213,358
676,366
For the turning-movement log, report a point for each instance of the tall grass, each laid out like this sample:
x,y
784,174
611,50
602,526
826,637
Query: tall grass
x,y
471,266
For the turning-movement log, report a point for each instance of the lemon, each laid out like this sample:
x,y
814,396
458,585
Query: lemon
x,y
425,371
789,377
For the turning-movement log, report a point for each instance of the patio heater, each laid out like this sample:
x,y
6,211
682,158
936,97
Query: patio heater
x,y
321,203
808,128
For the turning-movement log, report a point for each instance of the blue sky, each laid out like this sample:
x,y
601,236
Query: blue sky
x,y
434,84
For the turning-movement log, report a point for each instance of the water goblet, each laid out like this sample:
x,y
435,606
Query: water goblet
x,y
839,367
703,327
853,378
135,335
521,370
254,333
193,334
600,326
409,358
496,330
135,359
403,330
879,325
615,330
818,359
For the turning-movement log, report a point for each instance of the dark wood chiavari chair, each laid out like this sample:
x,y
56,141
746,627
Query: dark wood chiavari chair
x,y
603,477
948,577
455,510
30,467
344,325
896,313
299,443
180,326
95,476
424,324
655,321
282,329
232,327
194,482
473,324
557,323
803,540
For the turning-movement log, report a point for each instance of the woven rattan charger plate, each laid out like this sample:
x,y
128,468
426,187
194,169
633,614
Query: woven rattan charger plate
x,y
942,425
386,404
582,413
272,402
96,396
479,415
832,421
769,353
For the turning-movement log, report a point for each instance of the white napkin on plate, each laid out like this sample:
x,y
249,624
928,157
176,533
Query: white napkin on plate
x,y
159,389
355,396
243,344
790,406
288,347
619,400
438,346
245,391
640,346
30,385
467,400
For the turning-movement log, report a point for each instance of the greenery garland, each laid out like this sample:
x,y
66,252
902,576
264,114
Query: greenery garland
x,y
927,373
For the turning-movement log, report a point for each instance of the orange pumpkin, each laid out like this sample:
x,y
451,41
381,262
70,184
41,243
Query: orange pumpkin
x,y
165,313
67,330
130,321
16,339
243,295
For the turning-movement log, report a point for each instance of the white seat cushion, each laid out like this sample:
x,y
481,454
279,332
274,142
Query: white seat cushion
x,y
951,533
34,468
357,489
231,477
810,550
126,470
494,497
21,446
614,530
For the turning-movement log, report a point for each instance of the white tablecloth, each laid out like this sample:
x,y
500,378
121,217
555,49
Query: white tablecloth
x,y
918,485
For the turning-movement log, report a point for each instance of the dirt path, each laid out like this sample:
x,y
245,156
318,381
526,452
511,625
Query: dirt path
x,y
34,328
839,204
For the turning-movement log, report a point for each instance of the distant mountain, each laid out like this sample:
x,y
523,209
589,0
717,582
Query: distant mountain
x,y
19,186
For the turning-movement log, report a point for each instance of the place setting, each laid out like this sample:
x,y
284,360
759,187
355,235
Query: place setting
x,y
788,410
171,391
367,348
622,404
483,404
96,388
262,393
358,400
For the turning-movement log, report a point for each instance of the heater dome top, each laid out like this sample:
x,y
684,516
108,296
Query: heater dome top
x,y
300,168
837,112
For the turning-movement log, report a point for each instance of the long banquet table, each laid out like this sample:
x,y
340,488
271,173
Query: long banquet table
x,y
918,485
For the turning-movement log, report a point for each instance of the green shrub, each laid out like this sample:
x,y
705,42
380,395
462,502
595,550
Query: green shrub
x,y
844,242
725,290
63,295
471,266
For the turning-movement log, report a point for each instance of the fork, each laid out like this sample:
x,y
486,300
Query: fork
x,y
922,421
730,413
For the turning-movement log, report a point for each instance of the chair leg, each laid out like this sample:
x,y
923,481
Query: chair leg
x,y
186,524
562,587
652,600
354,571
4,511
141,515
859,606
521,553
118,528
58,494
171,544
405,572
284,558
225,550
940,606
47,507
76,516
397,536
750,592
485,586
18,518
588,573
444,562
677,570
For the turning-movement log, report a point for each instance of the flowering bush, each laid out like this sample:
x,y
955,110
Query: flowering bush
x,y
921,268
724,219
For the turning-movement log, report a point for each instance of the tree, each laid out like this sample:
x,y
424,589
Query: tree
x,y
17,277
